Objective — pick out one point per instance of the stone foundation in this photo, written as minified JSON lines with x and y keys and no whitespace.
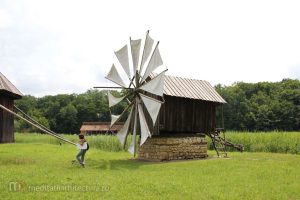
{"x":176,"y":147}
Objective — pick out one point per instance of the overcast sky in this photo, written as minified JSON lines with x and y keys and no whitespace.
{"x":52,"y":47}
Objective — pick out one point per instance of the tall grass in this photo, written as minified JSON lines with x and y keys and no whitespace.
{"x":108,"y":142}
{"x":102,"y":142}
{"x":35,"y":138}
{"x":275,"y":142}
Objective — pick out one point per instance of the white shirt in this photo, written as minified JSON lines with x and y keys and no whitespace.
{"x":79,"y":146}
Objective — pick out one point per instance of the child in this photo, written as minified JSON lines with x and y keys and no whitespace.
{"x":82,"y":146}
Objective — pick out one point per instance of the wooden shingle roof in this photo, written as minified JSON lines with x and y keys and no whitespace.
{"x":7,"y":87}
{"x":191,"y":88}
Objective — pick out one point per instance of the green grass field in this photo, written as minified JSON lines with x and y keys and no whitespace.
{"x":41,"y":169}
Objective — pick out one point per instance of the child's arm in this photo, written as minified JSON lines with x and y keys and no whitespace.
{"x":79,"y":146}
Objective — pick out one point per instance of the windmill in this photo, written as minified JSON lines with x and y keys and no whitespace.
{"x":145,"y":88}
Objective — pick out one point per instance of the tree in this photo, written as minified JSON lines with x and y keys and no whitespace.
{"x":67,"y":119}
{"x":262,"y":106}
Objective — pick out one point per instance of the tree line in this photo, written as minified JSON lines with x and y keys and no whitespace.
{"x":64,"y":113}
{"x":262,"y":106}
{"x":250,"y":106}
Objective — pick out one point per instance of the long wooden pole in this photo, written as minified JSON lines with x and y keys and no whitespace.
{"x":134,"y":129}
{"x":40,"y":128}
{"x":34,"y":121}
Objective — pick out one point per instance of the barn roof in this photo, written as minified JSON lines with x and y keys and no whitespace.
{"x":7,"y":87}
{"x":100,"y":126}
{"x":191,"y":88}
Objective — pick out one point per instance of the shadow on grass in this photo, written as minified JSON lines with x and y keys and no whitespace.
{"x":127,"y":164}
{"x":133,"y":164}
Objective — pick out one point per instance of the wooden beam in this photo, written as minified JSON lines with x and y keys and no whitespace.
{"x":45,"y":131}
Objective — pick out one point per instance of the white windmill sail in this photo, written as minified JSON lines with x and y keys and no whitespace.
{"x":142,"y":66}
{"x":115,"y":77}
{"x":135,"y":51}
{"x":114,"y":118}
{"x":131,"y":148}
{"x":122,"y":56}
{"x":113,"y":100}
{"x":123,"y":132}
{"x":155,"y":85}
{"x":152,"y":105}
{"x":147,"y":50}
{"x":145,"y":133}
{"x":154,"y":62}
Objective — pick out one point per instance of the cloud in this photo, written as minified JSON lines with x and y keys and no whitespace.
{"x":64,"y":46}
{"x":294,"y":72}
{"x":5,"y":19}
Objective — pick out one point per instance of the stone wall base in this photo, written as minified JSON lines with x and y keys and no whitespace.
{"x":173,"y":148}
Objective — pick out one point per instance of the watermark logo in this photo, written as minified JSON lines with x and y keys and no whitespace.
{"x":16,"y":186}
{"x":21,"y":186}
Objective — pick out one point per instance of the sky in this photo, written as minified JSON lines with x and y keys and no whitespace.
{"x":50,"y":47}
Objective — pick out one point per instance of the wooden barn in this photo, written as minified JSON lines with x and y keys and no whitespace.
{"x":189,"y":108}
{"x":8,"y":93}
{"x":189,"y":113}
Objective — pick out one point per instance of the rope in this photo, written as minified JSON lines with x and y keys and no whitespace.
{"x":37,"y":126}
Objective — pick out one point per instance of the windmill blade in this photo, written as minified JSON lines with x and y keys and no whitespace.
{"x":113,"y":100}
{"x":152,"y":105}
{"x":155,"y":61}
{"x":147,"y":49}
{"x":131,"y":148}
{"x":122,"y":56}
{"x":155,"y":85}
{"x":115,"y":77}
{"x":145,"y":133}
{"x":122,"y":134}
{"x":114,"y":119}
{"x":135,"y":52}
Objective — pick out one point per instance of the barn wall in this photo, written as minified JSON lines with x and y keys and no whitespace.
{"x":6,"y":120}
{"x":182,"y":115}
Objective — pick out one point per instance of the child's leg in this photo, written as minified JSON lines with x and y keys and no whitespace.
{"x":79,"y":155}
{"x":82,"y":156}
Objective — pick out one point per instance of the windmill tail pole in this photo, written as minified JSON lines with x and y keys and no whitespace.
{"x":32,"y":120}
{"x":40,"y":128}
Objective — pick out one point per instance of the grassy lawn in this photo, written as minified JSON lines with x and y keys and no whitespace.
{"x":44,"y":171}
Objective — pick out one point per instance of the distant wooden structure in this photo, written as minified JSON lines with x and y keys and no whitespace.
{"x":93,"y":128}
{"x":8,"y":93}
